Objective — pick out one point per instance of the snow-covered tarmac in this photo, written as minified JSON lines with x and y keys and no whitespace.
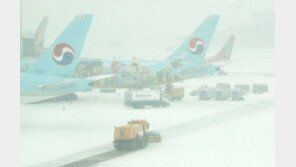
{"x":54,"y":130}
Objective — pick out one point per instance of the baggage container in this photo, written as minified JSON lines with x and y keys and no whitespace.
{"x":245,"y":88}
{"x":223,"y":86}
{"x":221,"y":94}
{"x":237,"y":94}
{"x":260,"y":88}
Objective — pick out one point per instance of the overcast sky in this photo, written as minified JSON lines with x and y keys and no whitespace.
{"x":153,"y":27}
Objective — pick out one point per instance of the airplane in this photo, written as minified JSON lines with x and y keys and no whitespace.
{"x":51,"y":75}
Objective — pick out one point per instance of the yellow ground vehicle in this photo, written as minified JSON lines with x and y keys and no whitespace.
{"x":131,"y":136}
{"x":134,"y":135}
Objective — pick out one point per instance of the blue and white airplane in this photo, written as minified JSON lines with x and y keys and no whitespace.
{"x":51,"y":76}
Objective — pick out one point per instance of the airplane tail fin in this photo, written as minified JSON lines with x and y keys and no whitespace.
{"x":62,"y":56}
{"x":40,"y":34}
{"x":225,"y":53}
{"x":195,"y":47}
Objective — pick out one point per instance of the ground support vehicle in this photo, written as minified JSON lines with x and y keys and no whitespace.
{"x":145,"y":97}
{"x":134,"y":135}
{"x":131,"y":136}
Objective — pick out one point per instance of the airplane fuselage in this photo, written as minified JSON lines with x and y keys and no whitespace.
{"x":141,"y":73}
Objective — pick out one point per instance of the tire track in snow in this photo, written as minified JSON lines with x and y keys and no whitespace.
{"x":91,"y":157}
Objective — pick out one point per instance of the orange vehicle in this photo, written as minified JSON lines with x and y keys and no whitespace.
{"x":134,"y":135}
{"x":131,"y":136}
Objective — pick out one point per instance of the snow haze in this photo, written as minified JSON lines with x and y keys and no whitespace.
{"x":140,"y":28}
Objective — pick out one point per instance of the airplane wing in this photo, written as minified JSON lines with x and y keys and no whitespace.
{"x":221,"y":64}
{"x":37,"y":99}
{"x":57,"y":84}
{"x":100,"y":77}
{"x":192,"y":69}
{"x":66,"y":82}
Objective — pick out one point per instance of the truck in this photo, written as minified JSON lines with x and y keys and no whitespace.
{"x":134,"y":135}
{"x":145,"y":97}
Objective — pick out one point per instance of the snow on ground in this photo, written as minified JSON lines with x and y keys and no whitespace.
{"x":243,"y":142}
{"x":54,"y":130}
